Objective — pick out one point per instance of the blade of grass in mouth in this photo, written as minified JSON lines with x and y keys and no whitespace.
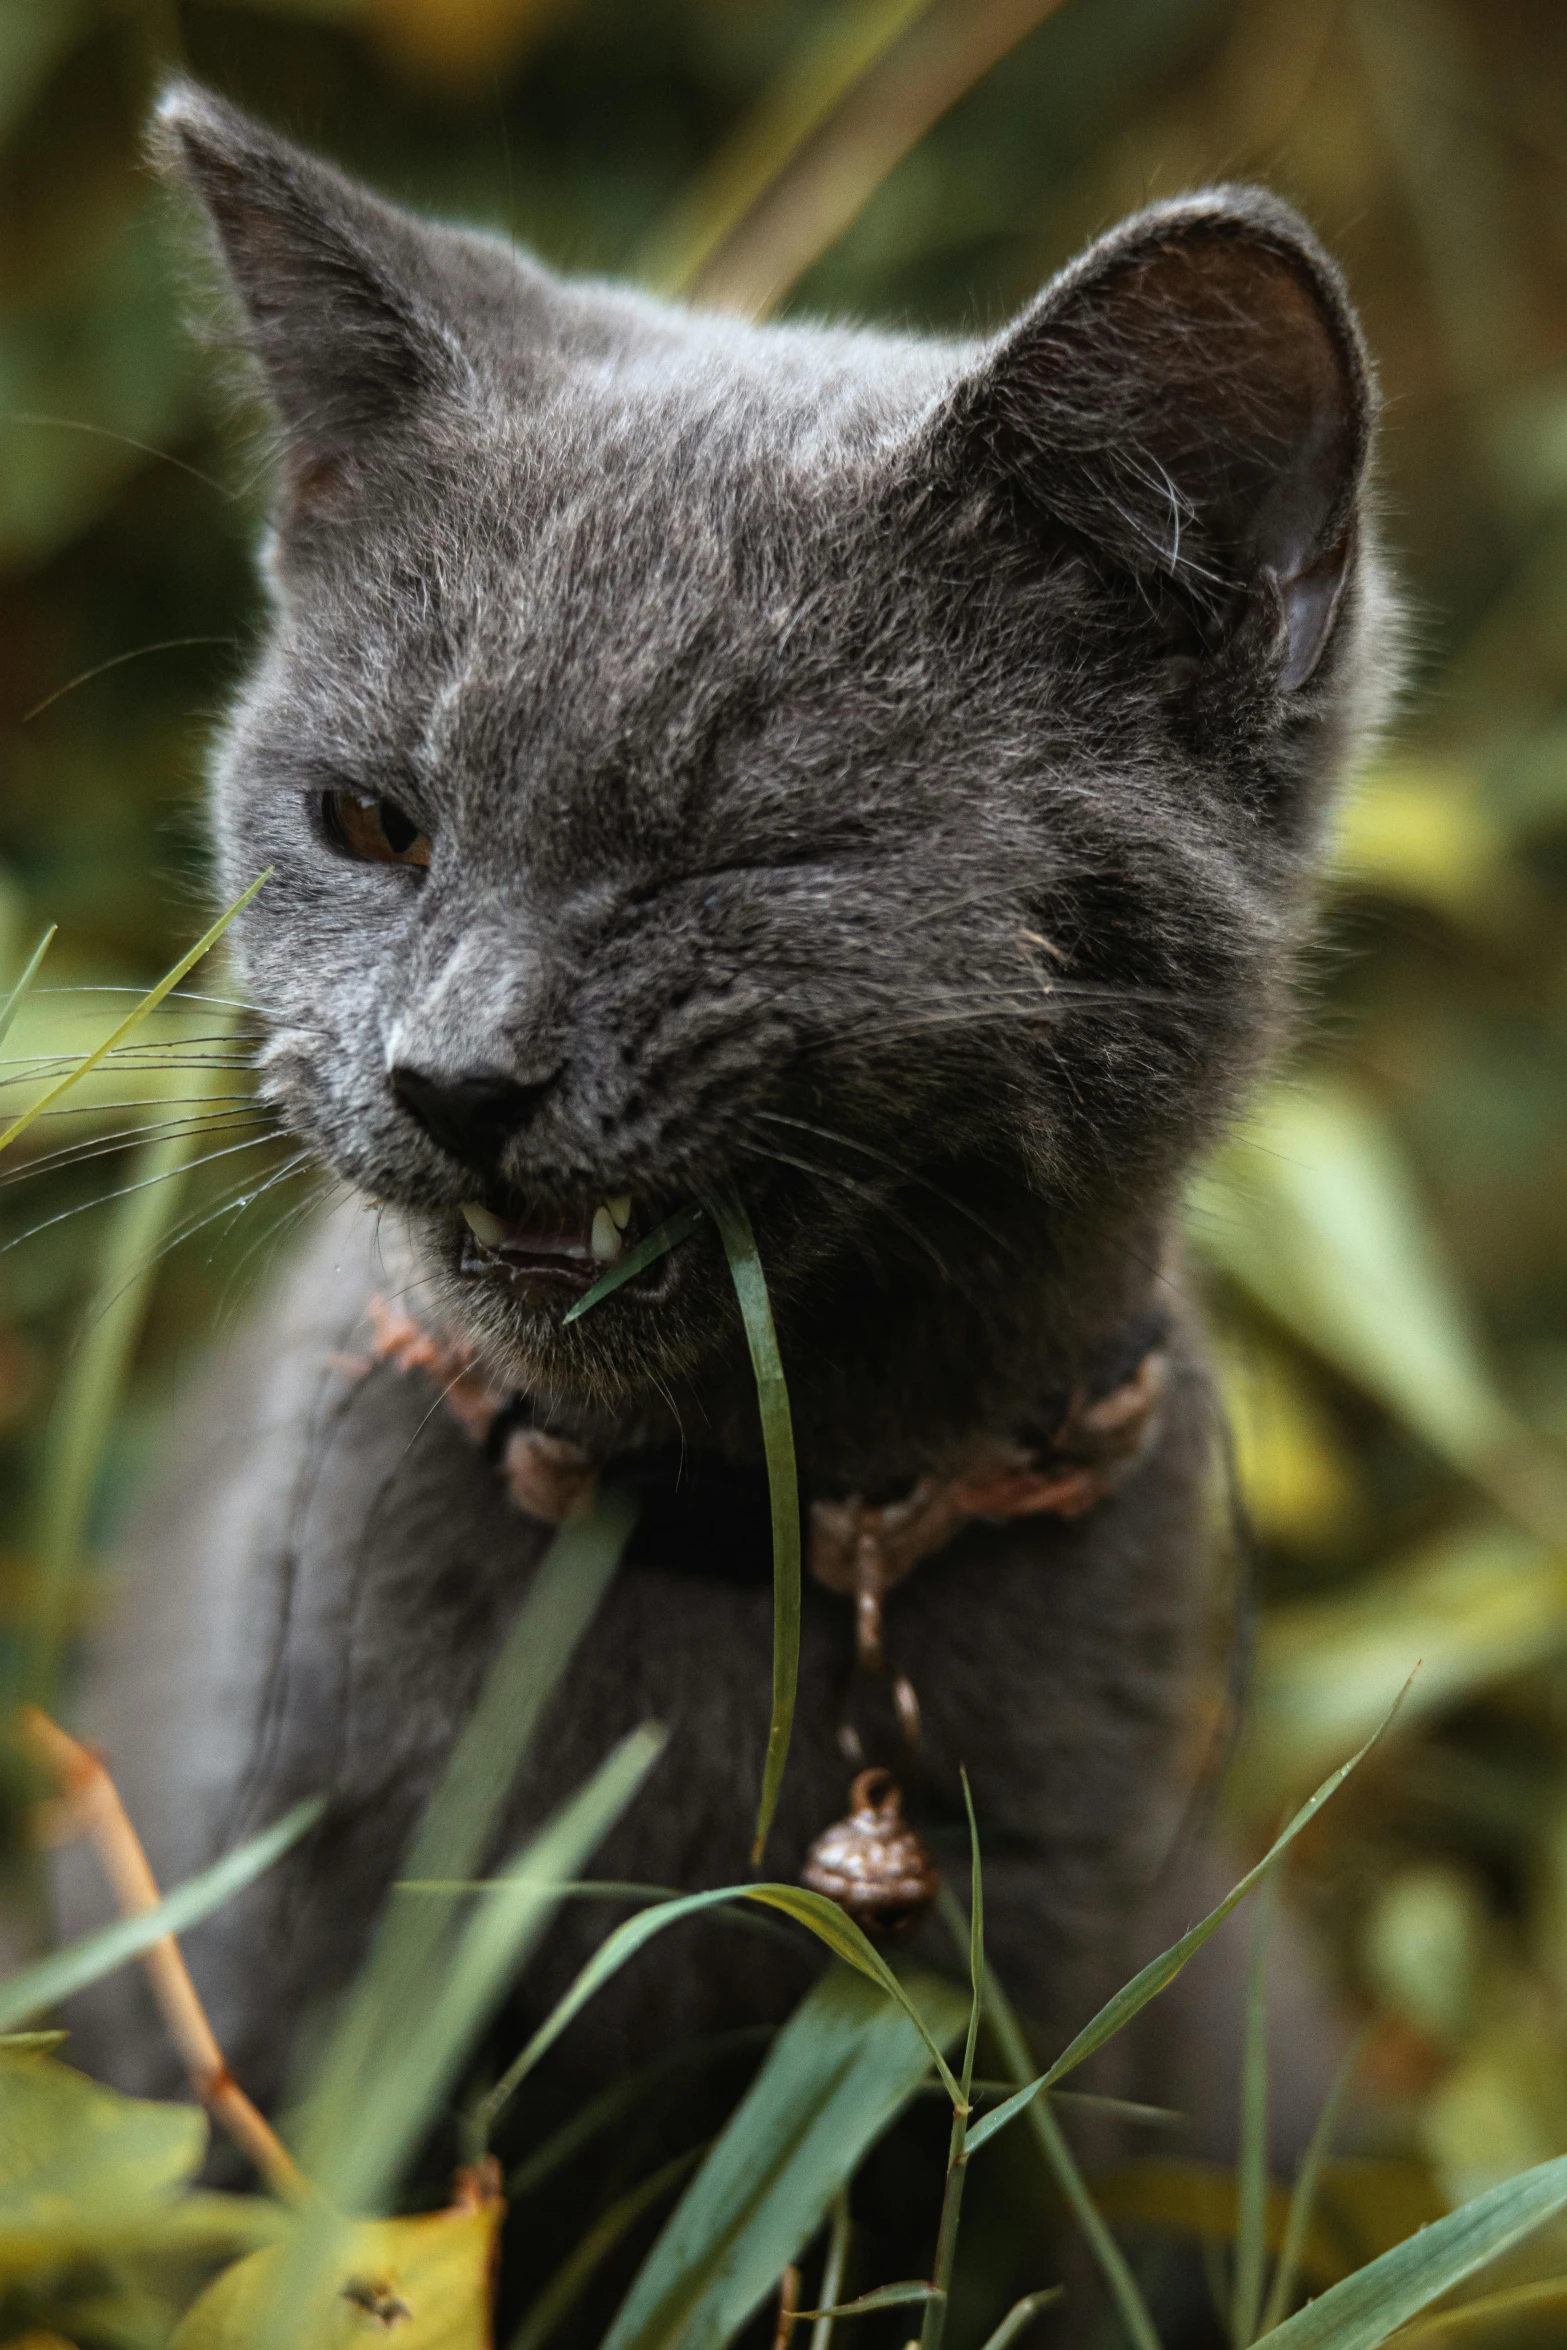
{"x":772,"y":1395}
{"x":669,"y":1235}
{"x":727,"y":1210}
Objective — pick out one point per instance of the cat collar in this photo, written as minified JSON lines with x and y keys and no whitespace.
{"x":855,"y":1548}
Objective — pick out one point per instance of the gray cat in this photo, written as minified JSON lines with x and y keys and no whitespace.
{"x":884,"y":774}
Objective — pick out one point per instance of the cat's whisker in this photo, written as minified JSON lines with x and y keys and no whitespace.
{"x":148,"y":1101}
{"x":1046,"y":1011}
{"x":79,"y":1154}
{"x":232,"y":1203}
{"x":454,"y":1381}
{"x":176,"y":995}
{"x":239,"y":1203}
{"x":153,"y":1099}
{"x":144,"y":1183}
{"x":168,"y":644}
{"x":320,"y":1185}
{"x":105,"y":432}
{"x":122,"y":1138}
{"x":894,"y":1166}
{"x":320,"y":1182}
{"x":883,"y":1209}
{"x":142,"y":1053}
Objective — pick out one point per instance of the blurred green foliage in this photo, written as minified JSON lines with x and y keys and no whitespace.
{"x":1388,"y":1243}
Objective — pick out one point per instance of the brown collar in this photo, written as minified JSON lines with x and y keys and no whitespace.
{"x":856,"y":1548}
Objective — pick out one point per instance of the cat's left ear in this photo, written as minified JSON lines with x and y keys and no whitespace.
{"x":357,"y":314}
{"x":1191,"y":401}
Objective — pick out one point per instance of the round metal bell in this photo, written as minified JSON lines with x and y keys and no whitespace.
{"x":873,"y":1864}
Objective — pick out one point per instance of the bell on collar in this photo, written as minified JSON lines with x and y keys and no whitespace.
{"x":873,"y":1864}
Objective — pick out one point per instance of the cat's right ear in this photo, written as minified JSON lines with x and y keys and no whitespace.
{"x":338,"y":293}
{"x":1192,"y":403}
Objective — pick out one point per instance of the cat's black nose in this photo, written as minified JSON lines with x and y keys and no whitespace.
{"x":473,"y":1115}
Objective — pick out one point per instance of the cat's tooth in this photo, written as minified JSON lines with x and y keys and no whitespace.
{"x":605,"y":1242}
{"x":487,"y":1229}
{"x":620,"y":1210}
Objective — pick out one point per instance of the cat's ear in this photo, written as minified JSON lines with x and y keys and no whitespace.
{"x":340,"y":295}
{"x":1192,"y":399}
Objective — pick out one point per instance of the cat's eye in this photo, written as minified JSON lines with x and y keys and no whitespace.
{"x":376,"y":832}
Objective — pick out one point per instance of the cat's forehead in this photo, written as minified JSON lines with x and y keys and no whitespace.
{"x":635,"y":443}
{"x":608,"y":560}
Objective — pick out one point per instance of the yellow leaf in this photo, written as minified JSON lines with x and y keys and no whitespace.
{"x":84,"y":2170}
{"x":1200,"y":2199}
{"x":425,"y":2282}
{"x":1363,"y":2208}
{"x":1420,"y":830}
{"x":1297,"y":1481}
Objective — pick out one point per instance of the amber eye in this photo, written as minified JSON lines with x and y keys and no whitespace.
{"x":375,"y":831}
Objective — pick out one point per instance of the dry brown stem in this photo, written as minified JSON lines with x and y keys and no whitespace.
{"x":89,"y":1805}
{"x":839,"y":166}
{"x":788,"y":2303}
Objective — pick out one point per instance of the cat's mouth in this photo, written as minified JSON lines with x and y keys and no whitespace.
{"x":548,"y":1248}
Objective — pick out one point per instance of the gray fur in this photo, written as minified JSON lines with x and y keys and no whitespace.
{"x":925,"y":742}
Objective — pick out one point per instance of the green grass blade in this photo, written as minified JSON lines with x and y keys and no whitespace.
{"x":783,"y":1486}
{"x":85,"y":1407}
{"x":1134,"y":1996}
{"x":976,"y":1942}
{"x":1019,"y":2315}
{"x":842,"y":2068}
{"x":138,"y":1013}
{"x":1361,"y":2312}
{"x":414,"y":1941}
{"x":417,"y":2070}
{"x":1251,"y":2221}
{"x":658,"y":1243}
{"x":426,"y":2041}
{"x":575,"y":2273}
{"x":884,"y":2297}
{"x":49,"y":1980}
{"x":1303,"y":2200}
{"x":933,"y":2326}
{"x":839,"y":2232}
{"x":13,"y":1002}
{"x":823,"y":1918}
{"x":1132,"y":2309}
{"x":581,"y":1888}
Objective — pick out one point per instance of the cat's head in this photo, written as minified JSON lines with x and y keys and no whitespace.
{"x":876,"y":772}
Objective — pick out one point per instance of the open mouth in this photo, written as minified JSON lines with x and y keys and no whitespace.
{"x":548,"y":1248}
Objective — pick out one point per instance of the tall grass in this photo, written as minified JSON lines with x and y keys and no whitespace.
{"x":856,"y":2053}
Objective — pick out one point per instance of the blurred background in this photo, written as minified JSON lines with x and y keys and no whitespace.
{"x":1387,"y":1242}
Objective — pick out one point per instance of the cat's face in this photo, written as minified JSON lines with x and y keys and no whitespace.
{"x":871,"y":772}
